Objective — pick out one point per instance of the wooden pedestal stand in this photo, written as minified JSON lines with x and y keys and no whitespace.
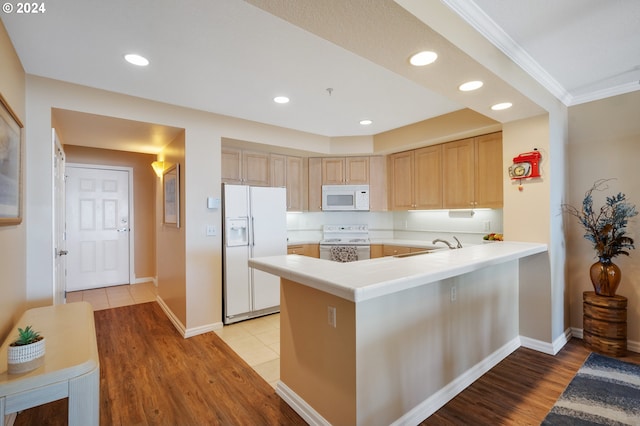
{"x":605,"y":323}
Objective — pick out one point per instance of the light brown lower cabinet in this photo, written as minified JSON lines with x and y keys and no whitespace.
{"x":392,"y":250}
{"x":376,"y":251}
{"x":311,"y":250}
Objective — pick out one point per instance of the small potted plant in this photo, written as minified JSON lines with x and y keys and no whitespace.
{"x":606,"y":229}
{"x":26,"y":353}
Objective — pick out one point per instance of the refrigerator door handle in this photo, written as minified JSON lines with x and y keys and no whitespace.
{"x":253,"y":236}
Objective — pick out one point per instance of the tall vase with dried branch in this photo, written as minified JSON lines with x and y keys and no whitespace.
{"x":606,"y":228}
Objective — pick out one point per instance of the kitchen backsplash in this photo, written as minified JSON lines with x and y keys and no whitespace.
{"x":412,"y":225}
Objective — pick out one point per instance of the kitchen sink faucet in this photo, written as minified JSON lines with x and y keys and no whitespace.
{"x":439,"y":240}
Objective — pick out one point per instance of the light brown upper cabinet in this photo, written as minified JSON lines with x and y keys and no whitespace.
{"x":278,"y":170}
{"x":489,"y":171}
{"x":472,"y":172}
{"x":458,"y":162}
{"x":345,"y":171}
{"x":231,"y":165}
{"x":296,"y":184}
{"x":428,"y":177}
{"x":378,"y":200}
{"x":401,"y":180}
{"x":416,"y":179}
{"x":315,"y":184}
{"x":288,"y":172}
{"x":348,"y":171}
{"x":245,"y":167}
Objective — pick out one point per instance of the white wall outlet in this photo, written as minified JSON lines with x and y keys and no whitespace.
{"x":211,"y":231}
{"x":487,"y":225}
{"x":331,"y":316}
{"x":454,"y":294}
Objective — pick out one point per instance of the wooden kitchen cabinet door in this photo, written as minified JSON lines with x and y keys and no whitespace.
{"x":231,"y":166}
{"x":489,"y":171}
{"x":376,"y":251}
{"x":458,"y":163}
{"x":356,"y":170}
{"x":255,"y":167}
{"x":428,"y":178}
{"x":278,"y":170}
{"x":295,"y":183}
{"x":389,"y":250}
{"x":345,"y":171}
{"x":333,"y":171}
{"x":401,"y":180}
{"x":315,"y":184}
{"x":244,"y":167}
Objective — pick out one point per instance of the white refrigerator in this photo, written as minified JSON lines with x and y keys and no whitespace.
{"x":255,"y":225}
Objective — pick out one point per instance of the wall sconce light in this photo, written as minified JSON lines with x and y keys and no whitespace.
{"x":158,"y":167}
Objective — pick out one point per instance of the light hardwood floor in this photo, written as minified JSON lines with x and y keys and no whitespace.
{"x":256,"y":341}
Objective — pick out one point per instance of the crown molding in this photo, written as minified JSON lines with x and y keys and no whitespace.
{"x":487,"y":27}
{"x":605,"y":93}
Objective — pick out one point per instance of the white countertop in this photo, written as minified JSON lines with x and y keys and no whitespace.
{"x":368,"y":279}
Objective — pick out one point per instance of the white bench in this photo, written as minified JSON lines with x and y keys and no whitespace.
{"x":71,"y":365}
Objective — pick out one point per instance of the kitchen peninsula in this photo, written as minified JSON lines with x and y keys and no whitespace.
{"x":390,"y":340}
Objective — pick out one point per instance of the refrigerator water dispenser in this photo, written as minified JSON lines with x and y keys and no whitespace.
{"x":237,"y":231}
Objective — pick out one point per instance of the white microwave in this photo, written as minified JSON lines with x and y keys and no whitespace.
{"x":345,"y":197}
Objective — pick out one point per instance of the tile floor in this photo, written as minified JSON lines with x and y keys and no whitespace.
{"x":116,"y":296}
{"x":256,"y":341}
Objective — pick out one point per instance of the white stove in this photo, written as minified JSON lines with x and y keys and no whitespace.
{"x":345,"y":243}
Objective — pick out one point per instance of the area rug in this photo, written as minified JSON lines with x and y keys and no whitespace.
{"x":605,"y":391}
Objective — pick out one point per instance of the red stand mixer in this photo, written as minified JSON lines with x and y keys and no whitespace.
{"x":525,"y":165}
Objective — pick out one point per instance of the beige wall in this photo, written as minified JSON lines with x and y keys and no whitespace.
{"x":319,"y":361}
{"x":448,"y":127}
{"x":144,"y":192}
{"x":202,"y":272}
{"x":524,"y":221}
{"x":604,"y":142}
{"x":12,"y":238}
{"x":172,"y":286}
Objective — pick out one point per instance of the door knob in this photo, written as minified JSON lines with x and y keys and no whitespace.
{"x":123,"y":229}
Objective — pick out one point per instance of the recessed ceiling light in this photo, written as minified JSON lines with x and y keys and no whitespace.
{"x":470,"y":85}
{"x":138,"y":60}
{"x":501,"y":106}
{"x":421,"y":59}
{"x":365,"y":122}
{"x":281,"y":99}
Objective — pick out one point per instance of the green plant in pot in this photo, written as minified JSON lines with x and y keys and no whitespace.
{"x":606,"y":228}
{"x":26,"y":353}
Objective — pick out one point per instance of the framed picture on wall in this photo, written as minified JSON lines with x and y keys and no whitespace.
{"x":171,"y":196}
{"x":10,"y":165}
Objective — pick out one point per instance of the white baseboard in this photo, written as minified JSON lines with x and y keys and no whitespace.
{"x":300,"y":406}
{"x":174,"y":320}
{"x":424,"y":409}
{"x":546,"y":347}
{"x":447,"y":393}
{"x":186,"y":332}
{"x":190,"y":332}
{"x":146,"y":280}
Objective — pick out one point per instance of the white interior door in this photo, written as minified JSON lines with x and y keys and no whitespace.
{"x":97,"y":227}
{"x":59,"y":237}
